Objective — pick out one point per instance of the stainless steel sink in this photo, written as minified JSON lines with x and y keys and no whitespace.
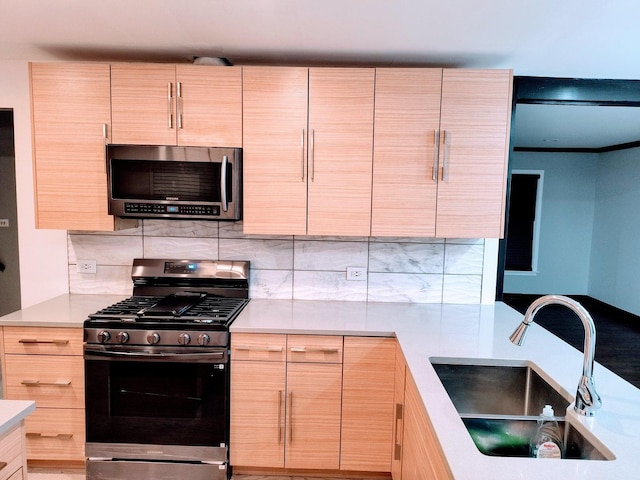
{"x":499,"y":402}
{"x":505,"y":388}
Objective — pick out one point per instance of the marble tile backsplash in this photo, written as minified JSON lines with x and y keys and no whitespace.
{"x":419,"y":270}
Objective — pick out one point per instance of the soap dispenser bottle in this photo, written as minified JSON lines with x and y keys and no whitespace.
{"x":547,"y":442}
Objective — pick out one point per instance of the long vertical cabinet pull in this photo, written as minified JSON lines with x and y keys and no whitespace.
{"x":445,"y":157}
{"x":179,"y":103}
{"x":169,"y":104}
{"x":280,"y":439}
{"x":313,"y":155}
{"x":302,"y":153}
{"x":397,"y":451}
{"x":436,"y":153}
{"x":290,"y":419}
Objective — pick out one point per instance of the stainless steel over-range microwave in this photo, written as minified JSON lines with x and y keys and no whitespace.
{"x":175,"y":182}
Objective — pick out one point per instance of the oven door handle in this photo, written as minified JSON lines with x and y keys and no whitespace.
{"x":139,"y":356}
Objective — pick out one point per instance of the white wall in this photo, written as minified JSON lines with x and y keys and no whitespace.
{"x":566,"y":223}
{"x":43,"y":253}
{"x":615,"y":256}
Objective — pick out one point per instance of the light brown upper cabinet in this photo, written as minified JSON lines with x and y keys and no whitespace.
{"x":441,"y":176}
{"x":166,"y":104}
{"x":308,"y":145}
{"x":71,"y":114}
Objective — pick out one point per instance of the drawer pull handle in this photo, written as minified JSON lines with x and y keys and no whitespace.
{"x":62,"y":436}
{"x":3,"y":464}
{"x":258,"y":349}
{"x":35,"y":340}
{"x":316,"y":350}
{"x":57,"y":383}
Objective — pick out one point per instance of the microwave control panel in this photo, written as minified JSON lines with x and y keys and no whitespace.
{"x":163,"y":209}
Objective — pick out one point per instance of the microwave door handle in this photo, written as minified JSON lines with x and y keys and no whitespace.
{"x":223,"y":183}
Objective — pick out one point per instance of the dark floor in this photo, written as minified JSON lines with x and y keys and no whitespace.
{"x":617,"y":331}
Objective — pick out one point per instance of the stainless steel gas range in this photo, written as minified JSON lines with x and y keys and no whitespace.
{"x":157,"y":372}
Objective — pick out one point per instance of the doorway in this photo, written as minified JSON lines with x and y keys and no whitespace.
{"x":9,"y":259}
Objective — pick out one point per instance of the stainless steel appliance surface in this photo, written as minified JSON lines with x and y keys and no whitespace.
{"x":157,"y":372}
{"x":173,"y":182}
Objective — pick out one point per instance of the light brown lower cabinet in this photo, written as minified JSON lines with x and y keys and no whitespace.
{"x":12,"y":458}
{"x":45,"y":364}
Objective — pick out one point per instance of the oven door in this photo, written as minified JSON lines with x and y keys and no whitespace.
{"x":168,"y":401}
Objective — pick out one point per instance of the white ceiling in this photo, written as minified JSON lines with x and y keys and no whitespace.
{"x":568,"y":38}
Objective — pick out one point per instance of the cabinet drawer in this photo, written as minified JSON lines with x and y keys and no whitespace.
{"x":257,"y":346}
{"x":314,"y":349}
{"x":43,"y":340}
{"x":52,"y":381}
{"x":55,"y":434}
{"x":10,"y":452}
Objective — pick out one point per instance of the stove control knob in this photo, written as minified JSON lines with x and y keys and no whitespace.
{"x":122,"y":337}
{"x":153,"y":338}
{"x":204,"y":339}
{"x":104,"y":336}
{"x":184,"y":339}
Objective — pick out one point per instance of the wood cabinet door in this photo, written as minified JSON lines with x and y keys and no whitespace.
{"x":71,"y":111}
{"x":367,"y":404}
{"x":422,"y":456}
{"x":257,"y":414}
{"x":340,"y":150}
{"x":275,"y":150}
{"x":313,"y":415}
{"x":399,"y":417}
{"x":474,"y":128}
{"x":143,"y":106}
{"x":209,"y":106}
{"x":407,"y":119}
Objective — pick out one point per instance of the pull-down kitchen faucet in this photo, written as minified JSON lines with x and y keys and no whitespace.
{"x":587,"y":398}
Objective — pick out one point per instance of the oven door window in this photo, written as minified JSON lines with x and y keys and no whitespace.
{"x":156,"y":402}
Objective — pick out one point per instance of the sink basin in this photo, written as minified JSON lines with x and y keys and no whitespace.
{"x":505,"y":388}
{"x":499,"y":402}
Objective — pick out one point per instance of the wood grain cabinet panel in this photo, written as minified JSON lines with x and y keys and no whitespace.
{"x":308,"y":142}
{"x":71,"y":122}
{"x":367,"y":404}
{"x":11,"y":454}
{"x":474,"y":127}
{"x":166,"y":104}
{"x":46,"y":365}
{"x":407,"y":119}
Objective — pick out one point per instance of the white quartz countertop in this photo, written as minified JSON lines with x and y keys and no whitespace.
{"x":62,"y":311}
{"x":472,"y":331}
{"x":13,"y":412}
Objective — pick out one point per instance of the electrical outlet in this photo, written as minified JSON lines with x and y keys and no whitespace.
{"x":87,"y":266}
{"x":357,"y":273}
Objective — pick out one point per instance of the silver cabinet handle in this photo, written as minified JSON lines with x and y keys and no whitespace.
{"x":280,"y":417}
{"x":313,"y":155}
{"x":312,"y":349}
{"x":35,"y":340}
{"x":223,"y":183}
{"x":258,"y":349}
{"x":63,"y":436}
{"x":58,"y":383}
{"x":290,"y":417}
{"x":105,"y":131}
{"x":169,"y":104}
{"x":302,"y":153}
{"x":436,"y":153}
{"x":445,"y":158}
{"x":179,"y":103}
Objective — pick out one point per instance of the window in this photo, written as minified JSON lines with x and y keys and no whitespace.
{"x":524,"y":220}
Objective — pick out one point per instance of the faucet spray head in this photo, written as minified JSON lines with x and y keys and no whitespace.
{"x":519,"y":334}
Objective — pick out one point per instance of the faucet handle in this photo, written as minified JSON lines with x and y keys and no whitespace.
{"x":587,"y":398}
